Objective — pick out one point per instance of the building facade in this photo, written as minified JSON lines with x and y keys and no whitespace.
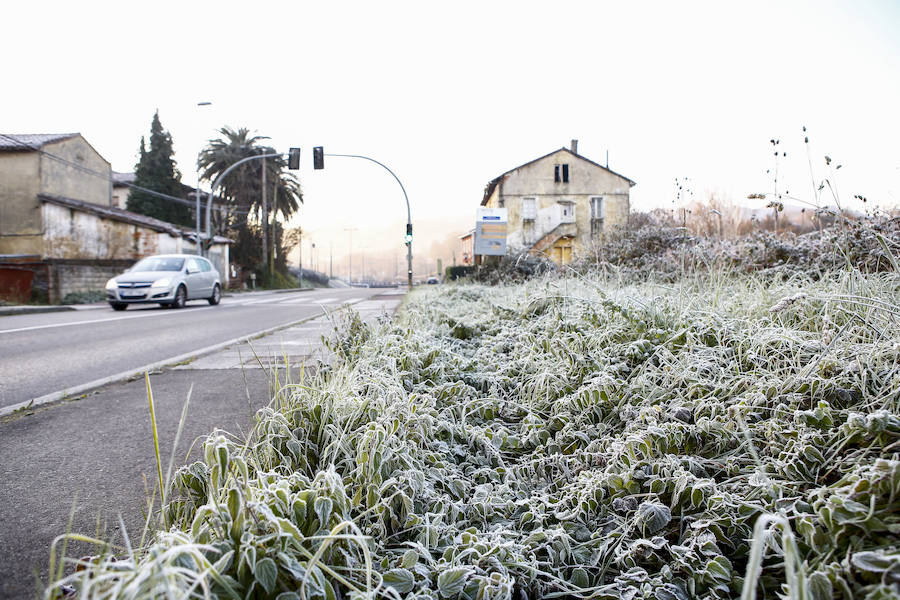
{"x":560,"y":203}
{"x":52,"y":164}
{"x":60,"y":228}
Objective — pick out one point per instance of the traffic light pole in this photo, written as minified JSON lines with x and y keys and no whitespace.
{"x":409,"y":270}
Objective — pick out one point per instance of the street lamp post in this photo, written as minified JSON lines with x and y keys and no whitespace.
{"x":408,"y":217}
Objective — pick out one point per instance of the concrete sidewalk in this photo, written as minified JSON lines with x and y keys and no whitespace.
{"x":91,"y":459}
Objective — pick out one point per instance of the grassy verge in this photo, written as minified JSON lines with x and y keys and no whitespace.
{"x":562,"y":438}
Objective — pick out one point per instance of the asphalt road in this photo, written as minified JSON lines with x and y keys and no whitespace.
{"x":45,"y":353}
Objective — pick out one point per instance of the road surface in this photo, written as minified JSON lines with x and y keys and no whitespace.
{"x":45,"y":353}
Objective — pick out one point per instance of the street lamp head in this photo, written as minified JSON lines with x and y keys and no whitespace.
{"x":204,"y":103}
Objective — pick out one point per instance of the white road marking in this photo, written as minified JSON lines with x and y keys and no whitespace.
{"x":298,"y":301}
{"x":264,"y":301}
{"x":164,"y":313}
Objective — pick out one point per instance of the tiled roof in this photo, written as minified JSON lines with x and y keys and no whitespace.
{"x":19,"y":142}
{"x":120,"y":178}
{"x":116,"y":214}
{"x":124,"y":216}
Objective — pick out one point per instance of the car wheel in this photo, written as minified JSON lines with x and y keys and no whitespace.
{"x":180,"y":297}
{"x":216,"y":295}
{"x":118,"y":305}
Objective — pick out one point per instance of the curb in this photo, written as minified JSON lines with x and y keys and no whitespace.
{"x":29,"y":310}
{"x":86,"y":387}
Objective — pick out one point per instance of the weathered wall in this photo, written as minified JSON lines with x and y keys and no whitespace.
{"x":20,"y":212}
{"x":120,"y":195}
{"x":494,"y":200}
{"x":60,"y":179}
{"x":72,"y":234}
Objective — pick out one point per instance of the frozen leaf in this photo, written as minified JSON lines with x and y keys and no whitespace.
{"x":266,"y":573}
{"x":654,"y":516}
{"x":451,"y":582}
{"x":820,"y":587}
{"x":875,"y":562}
{"x":410,"y":558}
{"x":401,"y":580}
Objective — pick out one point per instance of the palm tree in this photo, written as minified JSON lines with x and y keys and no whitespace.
{"x":242,"y":188}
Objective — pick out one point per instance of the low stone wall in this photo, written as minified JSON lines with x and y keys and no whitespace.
{"x":70,"y":278}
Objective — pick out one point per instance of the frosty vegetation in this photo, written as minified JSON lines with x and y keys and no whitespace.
{"x":583,"y":434}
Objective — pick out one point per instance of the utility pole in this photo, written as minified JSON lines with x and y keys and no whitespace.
{"x":330,"y":260}
{"x":300,"y":260}
{"x":265,"y":218}
{"x":271,"y":258}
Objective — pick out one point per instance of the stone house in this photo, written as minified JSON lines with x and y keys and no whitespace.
{"x":60,"y":228}
{"x":559,"y":203}
{"x":121,"y":189}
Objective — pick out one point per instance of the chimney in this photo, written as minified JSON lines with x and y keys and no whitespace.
{"x":574,"y":147}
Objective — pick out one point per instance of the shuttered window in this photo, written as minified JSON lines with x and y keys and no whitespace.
{"x":529,"y":209}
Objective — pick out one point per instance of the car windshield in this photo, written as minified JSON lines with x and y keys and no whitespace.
{"x":157,"y":263}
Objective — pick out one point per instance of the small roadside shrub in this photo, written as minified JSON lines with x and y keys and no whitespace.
{"x":512,"y":268}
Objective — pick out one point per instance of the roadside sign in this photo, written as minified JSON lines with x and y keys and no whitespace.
{"x":490,"y":231}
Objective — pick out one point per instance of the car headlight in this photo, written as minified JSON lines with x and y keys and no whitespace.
{"x":161,"y":283}
{"x":111,"y":284}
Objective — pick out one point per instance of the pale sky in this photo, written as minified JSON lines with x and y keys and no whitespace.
{"x":450,"y":95}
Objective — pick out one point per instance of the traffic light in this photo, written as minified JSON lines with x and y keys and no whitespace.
{"x":318,"y":157}
{"x":294,"y":159}
{"x":408,"y":234}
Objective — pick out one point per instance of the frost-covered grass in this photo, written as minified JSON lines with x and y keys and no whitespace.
{"x":562,"y":438}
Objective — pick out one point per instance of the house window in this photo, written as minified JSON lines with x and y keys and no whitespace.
{"x":598,"y":209}
{"x":561,"y":173}
{"x":529,"y":209}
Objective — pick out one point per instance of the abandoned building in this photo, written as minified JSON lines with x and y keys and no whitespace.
{"x":560,"y":203}
{"x":61,"y":231}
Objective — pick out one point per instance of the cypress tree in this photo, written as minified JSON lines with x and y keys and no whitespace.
{"x":156,"y":170}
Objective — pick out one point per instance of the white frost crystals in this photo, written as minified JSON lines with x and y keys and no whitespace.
{"x":561,"y":438}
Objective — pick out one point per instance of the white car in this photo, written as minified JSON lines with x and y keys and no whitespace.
{"x":169,"y":280}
